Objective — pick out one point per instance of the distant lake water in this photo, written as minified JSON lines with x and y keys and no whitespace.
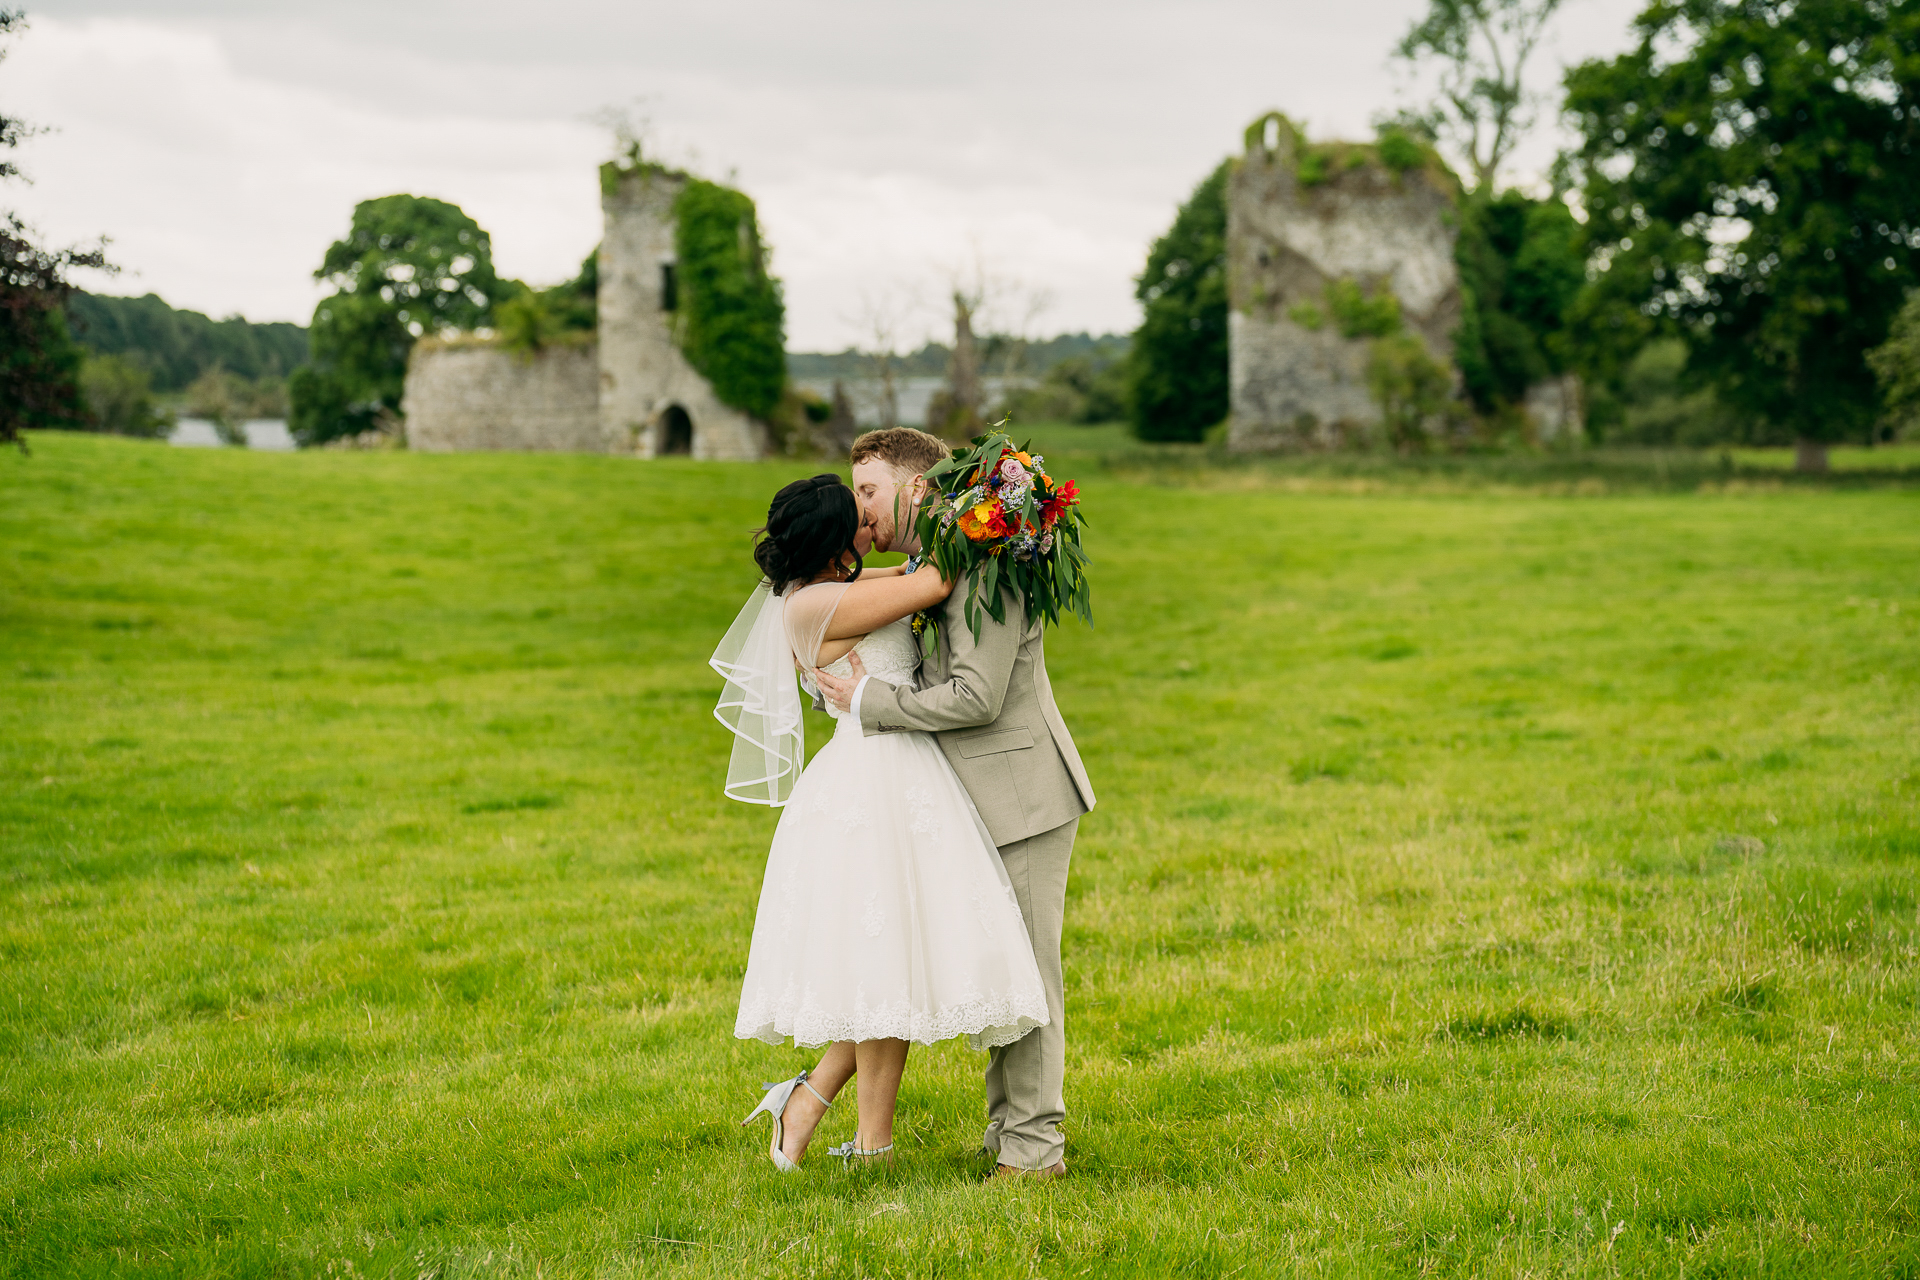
{"x":269,"y":434}
{"x":912,"y":395}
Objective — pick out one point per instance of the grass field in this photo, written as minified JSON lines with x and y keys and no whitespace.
{"x":1579,"y":473}
{"x":1496,"y":883}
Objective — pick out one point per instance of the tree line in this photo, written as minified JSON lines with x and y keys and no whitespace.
{"x":1729,"y":253}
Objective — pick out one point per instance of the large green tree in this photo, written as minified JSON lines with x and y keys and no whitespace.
{"x":1177,"y":366}
{"x":1521,"y":268}
{"x":1752,"y":178}
{"x":409,"y":266}
{"x":39,"y":363}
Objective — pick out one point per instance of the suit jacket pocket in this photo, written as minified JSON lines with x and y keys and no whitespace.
{"x":989,"y":744}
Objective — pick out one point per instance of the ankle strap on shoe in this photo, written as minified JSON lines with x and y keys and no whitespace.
{"x":801,"y":1080}
{"x":851,"y":1150}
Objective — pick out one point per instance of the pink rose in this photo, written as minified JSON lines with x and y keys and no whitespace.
{"x":1012,"y":472}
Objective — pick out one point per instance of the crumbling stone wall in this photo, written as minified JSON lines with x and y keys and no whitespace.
{"x":1296,"y":380}
{"x":469,"y":395}
{"x":649,"y":392}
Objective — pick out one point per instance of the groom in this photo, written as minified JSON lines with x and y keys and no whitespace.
{"x":990,"y":706}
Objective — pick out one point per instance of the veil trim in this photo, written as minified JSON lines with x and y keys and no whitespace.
{"x":760,"y":702}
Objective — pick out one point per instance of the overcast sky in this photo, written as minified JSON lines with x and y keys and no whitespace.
{"x":222,"y":144}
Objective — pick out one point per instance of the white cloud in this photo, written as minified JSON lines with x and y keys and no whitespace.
{"x":223,"y":144}
{"x":220,"y":190}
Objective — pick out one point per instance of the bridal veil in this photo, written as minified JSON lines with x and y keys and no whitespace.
{"x":761,"y":700}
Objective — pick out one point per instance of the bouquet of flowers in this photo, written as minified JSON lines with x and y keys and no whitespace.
{"x":996,"y":519}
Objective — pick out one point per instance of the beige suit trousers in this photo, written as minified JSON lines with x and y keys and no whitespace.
{"x":1026,"y":1079}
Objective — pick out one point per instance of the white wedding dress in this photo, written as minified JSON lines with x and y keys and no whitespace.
{"x":885,"y":911}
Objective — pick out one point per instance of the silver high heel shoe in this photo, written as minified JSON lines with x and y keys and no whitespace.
{"x":851,"y":1151}
{"x":779,"y":1093}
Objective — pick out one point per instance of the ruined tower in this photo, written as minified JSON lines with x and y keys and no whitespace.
{"x":1328,"y":247}
{"x":626,"y":388}
{"x":652,"y":401}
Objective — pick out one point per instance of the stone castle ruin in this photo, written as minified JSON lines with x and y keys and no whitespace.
{"x":1339,"y":255}
{"x":625,"y":389}
{"x":1328,"y":250}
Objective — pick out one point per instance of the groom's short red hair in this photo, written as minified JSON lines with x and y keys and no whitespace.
{"x":906,"y":451}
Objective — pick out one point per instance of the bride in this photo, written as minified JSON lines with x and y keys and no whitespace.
{"x":886,"y":918}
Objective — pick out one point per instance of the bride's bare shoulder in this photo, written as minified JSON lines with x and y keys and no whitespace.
{"x":809,"y":610}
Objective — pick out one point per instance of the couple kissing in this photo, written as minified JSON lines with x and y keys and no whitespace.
{"x":917,"y":877}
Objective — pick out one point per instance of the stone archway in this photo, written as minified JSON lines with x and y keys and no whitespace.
{"x":676,"y":432}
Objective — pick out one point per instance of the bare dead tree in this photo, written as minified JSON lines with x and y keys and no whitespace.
{"x":882,"y":318}
{"x":1481,"y":48}
{"x":841,"y":428}
{"x":1012,"y":316}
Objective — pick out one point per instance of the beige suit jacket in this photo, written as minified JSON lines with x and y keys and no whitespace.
{"x":991,"y":708}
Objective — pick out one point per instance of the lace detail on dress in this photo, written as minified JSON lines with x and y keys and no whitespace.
{"x":890,"y":654}
{"x":1005,"y":1018}
{"x":926,"y":818}
{"x":982,"y":912}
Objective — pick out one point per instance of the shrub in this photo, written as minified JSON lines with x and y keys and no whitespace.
{"x":1400,"y":150}
{"x":119,"y":397}
{"x":1078,"y":389}
{"x":1359,"y":314}
{"x":325,"y":407}
{"x":1657,"y":404}
{"x":1896,"y":367}
{"x":1176,"y":376}
{"x":1411,"y":388}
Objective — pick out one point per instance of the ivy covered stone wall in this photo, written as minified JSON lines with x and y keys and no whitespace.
{"x":732,"y":322}
{"x":667,"y":302}
{"x":1337,"y":253}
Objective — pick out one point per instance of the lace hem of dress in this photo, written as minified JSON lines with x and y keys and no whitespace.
{"x":987,"y":1023}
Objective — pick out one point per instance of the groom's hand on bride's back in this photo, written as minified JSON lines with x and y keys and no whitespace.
{"x":839,"y":692}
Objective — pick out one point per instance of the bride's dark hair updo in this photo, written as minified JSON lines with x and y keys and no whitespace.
{"x":810,"y":525}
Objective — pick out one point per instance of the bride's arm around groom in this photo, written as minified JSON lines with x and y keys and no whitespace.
{"x":991,"y":704}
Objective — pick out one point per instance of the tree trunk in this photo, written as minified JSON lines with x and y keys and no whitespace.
{"x":1810,"y":455}
{"x":889,"y":395}
{"x":963,"y":371}
{"x":842,"y":428}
